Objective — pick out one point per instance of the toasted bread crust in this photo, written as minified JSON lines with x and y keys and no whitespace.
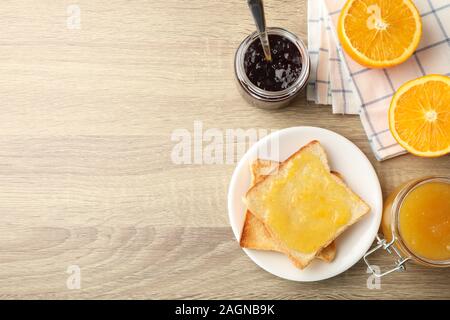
{"x":255,"y":235}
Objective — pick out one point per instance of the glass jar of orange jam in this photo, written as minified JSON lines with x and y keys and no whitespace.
{"x":416,"y":224}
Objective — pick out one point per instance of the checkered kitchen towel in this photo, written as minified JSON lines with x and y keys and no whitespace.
{"x":353,"y":89}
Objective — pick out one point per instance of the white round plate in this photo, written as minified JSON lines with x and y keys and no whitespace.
{"x":345,"y":158}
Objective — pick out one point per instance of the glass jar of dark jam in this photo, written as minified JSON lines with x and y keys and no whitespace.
{"x":272,"y":84}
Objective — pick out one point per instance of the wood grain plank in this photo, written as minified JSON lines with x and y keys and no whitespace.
{"x":174,"y":262}
{"x":120,"y":179}
{"x":124,"y":63}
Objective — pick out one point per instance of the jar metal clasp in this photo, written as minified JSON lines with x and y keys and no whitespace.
{"x":387,"y":246}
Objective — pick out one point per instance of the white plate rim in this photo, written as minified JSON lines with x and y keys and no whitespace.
{"x":377,"y":211}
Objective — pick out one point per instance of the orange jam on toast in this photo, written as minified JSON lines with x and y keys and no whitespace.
{"x":308,"y":204}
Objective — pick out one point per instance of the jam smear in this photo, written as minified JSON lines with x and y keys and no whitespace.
{"x":279,"y":73}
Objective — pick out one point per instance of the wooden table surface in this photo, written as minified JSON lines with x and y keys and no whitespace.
{"x":86,"y":176}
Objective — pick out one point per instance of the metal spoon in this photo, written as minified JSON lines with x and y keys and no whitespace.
{"x":257,"y":9}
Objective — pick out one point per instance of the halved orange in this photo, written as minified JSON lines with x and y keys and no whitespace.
{"x":419,"y":116}
{"x":379,"y":33}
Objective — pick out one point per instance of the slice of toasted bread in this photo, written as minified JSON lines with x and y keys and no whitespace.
{"x":254,"y":233}
{"x":303,"y":206}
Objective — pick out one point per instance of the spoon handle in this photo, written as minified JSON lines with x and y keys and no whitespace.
{"x":257,"y":10}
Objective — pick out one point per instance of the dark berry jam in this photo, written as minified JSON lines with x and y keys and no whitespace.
{"x":275,"y":75}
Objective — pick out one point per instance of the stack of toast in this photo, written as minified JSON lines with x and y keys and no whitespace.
{"x":299,"y":207}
